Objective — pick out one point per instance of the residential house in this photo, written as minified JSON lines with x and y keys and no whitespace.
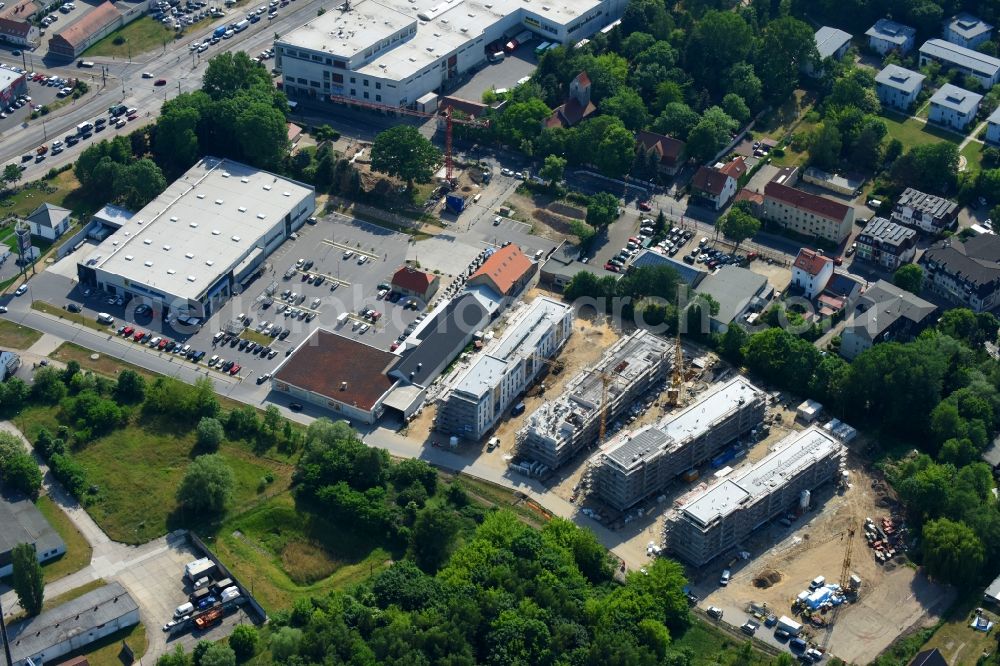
{"x":668,"y":151}
{"x":49,"y":221}
{"x":74,"y":39}
{"x":807,"y":214}
{"x":898,"y":87}
{"x":15,"y":23}
{"x":886,"y":244}
{"x":294,"y":133}
{"x":839,"y":294}
{"x":811,"y":270}
{"x":954,"y":107}
{"x":413,"y":282}
{"x":578,"y":107}
{"x":505,"y":273}
{"x":992,"y":593}
{"x":830,"y":43}
{"x":986,"y":69}
{"x":737,"y":291}
{"x":966,"y":30}
{"x":993,"y":127}
{"x":966,"y":273}
{"x":925,"y":212}
{"x":887,"y":36}
{"x":718,"y":184}
{"x":884,"y":312}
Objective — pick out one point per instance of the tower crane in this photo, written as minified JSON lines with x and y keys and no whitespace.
{"x":450,"y":122}
{"x":845,"y":583}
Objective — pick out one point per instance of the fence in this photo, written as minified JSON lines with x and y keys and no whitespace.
{"x":226,"y":573}
{"x":67,"y":245}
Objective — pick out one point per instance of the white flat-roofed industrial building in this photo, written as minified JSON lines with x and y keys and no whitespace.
{"x":713,"y":520}
{"x":393,"y":52}
{"x":479,"y":394}
{"x":202,"y":240}
{"x":562,"y":427}
{"x":638,"y":464}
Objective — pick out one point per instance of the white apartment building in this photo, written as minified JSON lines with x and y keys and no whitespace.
{"x":393,"y":52}
{"x":479,"y":394}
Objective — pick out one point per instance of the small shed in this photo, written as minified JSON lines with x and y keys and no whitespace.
{"x":809,"y":411}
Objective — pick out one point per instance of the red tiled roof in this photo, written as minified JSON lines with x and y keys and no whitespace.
{"x":19,"y":10}
{"x":582,"y":78}
{"x":755,"y":198}
{"x":412,"y":280}
{"x":505,"y":268}
{"x":811,"y":261}
{"x":668,"y":148}
{"x":294,"y":131}
{"x":94,"y":20}
{"x":570,"y":113}
{"x":326,"y":360}
{"x":828,"y":208}
{"x":709,"y":179}
{"x":15,"y":28}
{"x":736,"y":168}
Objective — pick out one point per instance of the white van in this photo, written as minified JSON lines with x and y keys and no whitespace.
{"x":183,"y":609}
{"x":341,"y":318}
{"x":105,"y":318}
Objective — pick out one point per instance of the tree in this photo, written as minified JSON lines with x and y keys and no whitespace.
{"x":130,"y":387}
{"x":244,"y":641}
{"x":787,"y":45}
{"x":218,"y":654}
{"x":209,"y":434}
{"x":953,"y":552}
{"x":138,"y":183}
{"x":627,"y":106}
{"x":403,"y":152}
{"x":909,"y":277}
{"x":48,"y":386}
{"x":21,"y":474}
{"x":738,"y":226}
{"x":615,"y":152}
{"x":602,"y":209}
{"x":719,"y":41}
{"x":175,"y":143}
{"x":432,"y":537}
{"x":207,"y":485}
{"x":706,"y":139}
{"x":262,"y":132}
{"x":229,"y":72}
{"x":176,"y":657}
{"x":521,"y":121}
{"x":29,"y":584}
{"x":285,"y":643}
{"x":553,"y":168}
{"x":931,"y":167}
{"x":825,"y":145}
{"x":676,"y":120}
{"x":735,"y":107}
{"x":11,"y":174}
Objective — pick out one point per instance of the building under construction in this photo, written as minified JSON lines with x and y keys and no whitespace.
{"x":638,"y":464}
{"x":715,"y":519}
{"x":560,"y":428}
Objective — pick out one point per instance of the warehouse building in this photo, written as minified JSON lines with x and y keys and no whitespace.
{"x":479,"y":394}
{"x":638,"y":464}
{"x":393,"y":53}
{"x":72,"y":626}
{"x":12,"y":84}
{"x":713,"y":520}
{"x":23,"y":523}
{"x":79,"y":35}
{"x":563,"y":427}
{"x":202,"y":240}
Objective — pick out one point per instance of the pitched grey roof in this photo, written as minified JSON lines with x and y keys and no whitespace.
{"x":829,"y":40}
{"x":23,"y":523}
{"x":959,"y":55}
{"x":994,"y":117}
{"x":48,"y":215}
{"x":958,"y":99}
{"x":900,"y":78}
{"x":976,"y":261}
{"x":442,"y":339}
{"x":734,"y":288}
{"x":887,"y":232}
{"x":889,"y":31}
{"x":930,"y":204}
{"x":97,"y":607}
{"x":884,"y":303}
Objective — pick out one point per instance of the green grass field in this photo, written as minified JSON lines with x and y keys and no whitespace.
{"x":14,"y":335}
{"x":142,"y":35}
{"x":78,"y":551}
{"x":106,"y":651}
{"x":957,"y":641}
{"x":64,"y":193}
{"x":973,"y":154}
{"x":912,"y":132}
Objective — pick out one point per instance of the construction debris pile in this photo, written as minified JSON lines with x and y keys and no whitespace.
{"x":887,"y":537}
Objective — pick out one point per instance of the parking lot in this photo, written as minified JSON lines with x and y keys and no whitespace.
{"x":41,"y":95}
{"x":499,"y":75}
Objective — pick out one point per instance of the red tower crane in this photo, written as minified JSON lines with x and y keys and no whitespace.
{"x":449,"y":122}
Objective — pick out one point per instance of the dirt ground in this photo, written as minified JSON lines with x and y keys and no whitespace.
{"x":893,"y":597}
{"x":533,"y":210}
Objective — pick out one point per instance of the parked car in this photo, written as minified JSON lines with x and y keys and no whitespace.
{"x":715,"y":612}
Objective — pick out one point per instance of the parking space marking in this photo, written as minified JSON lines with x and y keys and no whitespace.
{"x":355,"y":250}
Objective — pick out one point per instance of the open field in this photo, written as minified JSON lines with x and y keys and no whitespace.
{"x":973,"y":154}
{"x":141,"y":35}
{"x":957,"y":641}
{"x":75,"y":593}
{"x":60,"y":191}
{"x":15,"y":336}
{"x":912,"y":132}
{"x":78,"y":551}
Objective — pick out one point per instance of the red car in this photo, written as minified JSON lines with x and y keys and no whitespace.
{"x":128,"y":331}
{"x":610,"y":267}
{"x":163,"y":343}
{"x":644,"y":206}
{"x":838,"y":261}
{"x":233,"y":370}
{"x":160,"y":82}
{"x":132,"y":116}
{"x":138,"y":336}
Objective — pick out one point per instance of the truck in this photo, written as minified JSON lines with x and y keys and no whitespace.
{"x":220,"y":31}
{"x":85,"y":128}
{"x":117,"y":110}
{"x":208,"y":618}
{"x":241,"y":26}
{"x":455,"y":203}
{"x":518,"y":39}
{"x":786,"y":623}
{"x":198,"y":568}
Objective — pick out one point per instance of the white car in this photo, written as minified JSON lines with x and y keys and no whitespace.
{"x":3,"y":309}
{"x":20,"y":291}
{"x":362,"y":259}
{"x":348,"y":254}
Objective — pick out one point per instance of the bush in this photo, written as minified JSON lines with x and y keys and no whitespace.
{"x":244,"y":641}
{"x":209,"y":434}
{"x":118,"y":40}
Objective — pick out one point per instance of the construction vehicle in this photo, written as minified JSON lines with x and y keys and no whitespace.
{"x":449,"y":123}
{"x":208,"y":618}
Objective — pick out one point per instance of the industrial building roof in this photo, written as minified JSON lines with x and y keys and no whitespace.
{"x":957,"y":99}
{"x":790,"y":456}
{"x":830,"y":40}
{"x":967,"y":26}
{"x":684,"y":426}
{"x":79,"y":616}
{"x":24,"y":523}
{"x":113,"y":215}
{"x":199,"y":228}
{"x":889,"y":31}
{"x":959,"y":55}
{"x":734,"y":288}
{"x":689,"y":274}
{"x":8,"y":77}
{"x":435,"y":28}
{"x":442,"y":337}
{"x":900,"y":78}
{"x":340,"y":368}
